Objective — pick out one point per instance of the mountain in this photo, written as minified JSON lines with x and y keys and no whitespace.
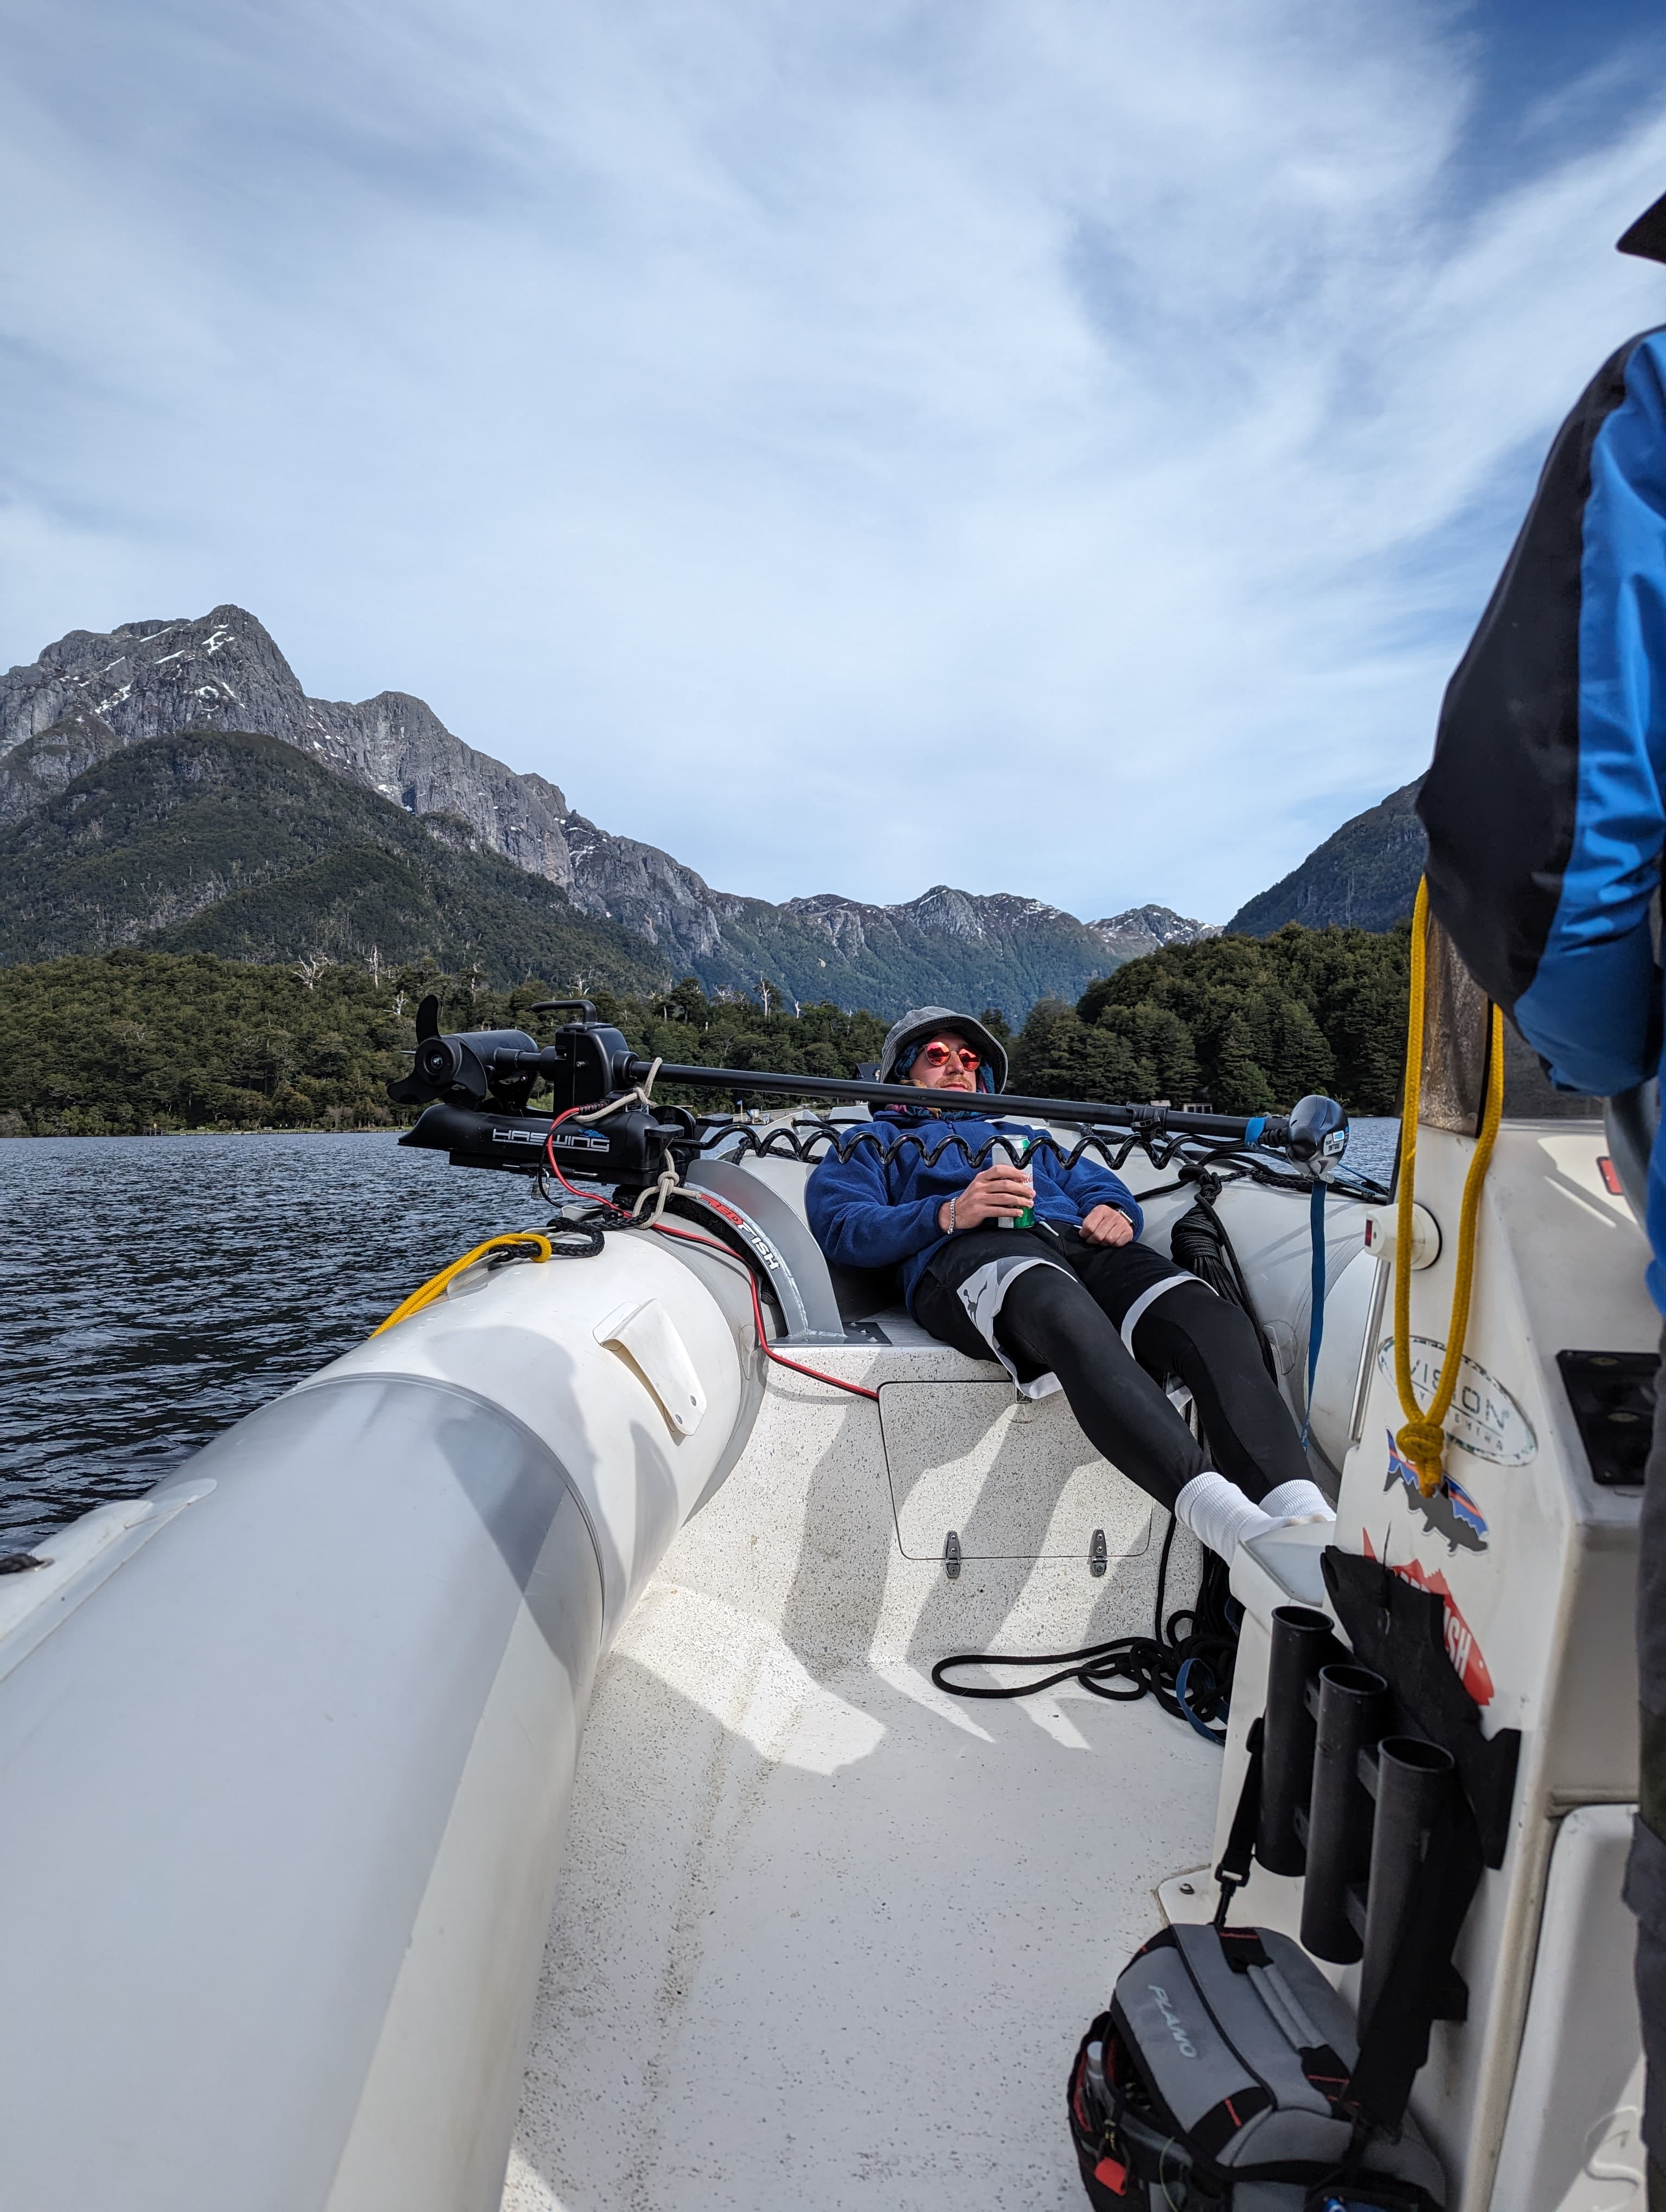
{"x":1146,"y":929}
{"x":95,"y":695}
{"x":1365,"y":874}
{"x":241,"y":845}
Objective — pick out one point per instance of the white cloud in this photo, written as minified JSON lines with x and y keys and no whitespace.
{"x":1058,"y":449}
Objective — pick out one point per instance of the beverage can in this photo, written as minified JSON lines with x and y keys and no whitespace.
{"x":1027,"y":1218}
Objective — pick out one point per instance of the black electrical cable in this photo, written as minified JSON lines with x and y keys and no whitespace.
{"x":1200,"y":1243}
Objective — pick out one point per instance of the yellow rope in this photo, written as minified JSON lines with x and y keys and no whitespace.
{"x":436,"y":1285}
{"x":1423,"y":1439}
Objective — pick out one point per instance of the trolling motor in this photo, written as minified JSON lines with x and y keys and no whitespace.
{"x":476,"y":1086}
{"x":478,"y":1081}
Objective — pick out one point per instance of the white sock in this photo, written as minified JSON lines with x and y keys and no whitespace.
{"x":1218,"y":1514}
{"x":1299,"y":1500}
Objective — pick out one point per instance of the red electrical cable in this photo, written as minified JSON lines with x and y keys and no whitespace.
{"x":688,"y":1236}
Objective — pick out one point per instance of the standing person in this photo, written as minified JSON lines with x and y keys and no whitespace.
{"x":1545,"y":813}
{"x":1071,"y":1301}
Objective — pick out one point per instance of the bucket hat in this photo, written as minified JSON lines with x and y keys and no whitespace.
{"x":921,"y":1021}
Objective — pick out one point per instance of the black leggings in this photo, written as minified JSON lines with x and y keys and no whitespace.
{"x":1067,"y":1319}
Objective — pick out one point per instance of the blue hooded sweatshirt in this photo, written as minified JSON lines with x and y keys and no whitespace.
{"x":866,"y":1212}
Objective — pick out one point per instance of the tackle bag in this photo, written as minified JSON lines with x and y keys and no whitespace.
{"x":1216,"y":2081}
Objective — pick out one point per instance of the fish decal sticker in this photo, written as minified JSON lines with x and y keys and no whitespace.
{"x":1451,"y":1512}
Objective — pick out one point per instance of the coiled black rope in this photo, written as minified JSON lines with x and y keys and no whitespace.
{"x":1189,"y":1674}
{"x":1199,"y":1242}
{"x":580,"y":1239}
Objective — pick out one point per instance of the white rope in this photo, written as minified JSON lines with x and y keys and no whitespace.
{"x":642,"y":1096}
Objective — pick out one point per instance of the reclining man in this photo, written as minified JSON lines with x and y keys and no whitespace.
{"x":1075,"y":1302}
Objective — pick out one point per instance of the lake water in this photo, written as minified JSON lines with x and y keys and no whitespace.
{"x":154,"y":1289}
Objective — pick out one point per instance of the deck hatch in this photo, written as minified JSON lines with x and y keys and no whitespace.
{"x":1014,"y":1479}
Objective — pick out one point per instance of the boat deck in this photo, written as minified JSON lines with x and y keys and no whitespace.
{"x":825,"y":1937}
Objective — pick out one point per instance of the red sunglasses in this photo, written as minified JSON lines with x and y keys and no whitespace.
{"x":940,"y":1055}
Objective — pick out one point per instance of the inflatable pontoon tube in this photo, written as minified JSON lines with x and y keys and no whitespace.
{"x":288,"y":1748}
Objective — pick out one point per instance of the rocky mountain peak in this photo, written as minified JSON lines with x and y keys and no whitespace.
{"x":1364,"y":875}
{"x":1143,"y":929}
{"x":93,"y":693}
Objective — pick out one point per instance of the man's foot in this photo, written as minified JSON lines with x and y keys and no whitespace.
{"x":1293,"y":1503}
{"x":1218,"y":1514}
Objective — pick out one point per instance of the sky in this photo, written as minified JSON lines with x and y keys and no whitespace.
{"x":1059,"y":447}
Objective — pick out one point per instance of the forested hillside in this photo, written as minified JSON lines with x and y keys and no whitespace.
{"x":216,"y":842}
{"x":1249,"y":1024}
{"x":132,"y":1041}
{"x":1364,"y":875}
{"x":69,"y":721}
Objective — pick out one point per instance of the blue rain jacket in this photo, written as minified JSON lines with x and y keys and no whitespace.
{"x":1544,"y":806}
{"x":870,"y":1211}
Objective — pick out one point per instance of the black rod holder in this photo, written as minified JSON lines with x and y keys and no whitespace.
{"x":1411,"y":1779}
{"x":1301,"y":1643}
{"x":1351,"y":1708}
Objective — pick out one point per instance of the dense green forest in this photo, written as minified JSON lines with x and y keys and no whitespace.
{"x":1248,"y":1024}
{"x":128,"y":1041}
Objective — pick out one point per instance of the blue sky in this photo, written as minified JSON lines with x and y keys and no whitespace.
{"x":856,"y":444}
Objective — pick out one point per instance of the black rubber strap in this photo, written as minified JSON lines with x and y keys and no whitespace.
{"x":1233,"y":1871}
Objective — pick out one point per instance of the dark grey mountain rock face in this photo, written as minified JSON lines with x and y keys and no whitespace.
{"x":93,"y":694}
{"x":1146,"y":929}
{"x":1365,"y":874}
{"x":153,"y":679}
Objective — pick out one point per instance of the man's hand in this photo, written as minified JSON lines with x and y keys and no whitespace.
{"x":1106,"y":1225}
{"x":999,"y":1193}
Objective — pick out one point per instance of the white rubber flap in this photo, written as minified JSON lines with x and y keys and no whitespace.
{"x":648,"y":1336}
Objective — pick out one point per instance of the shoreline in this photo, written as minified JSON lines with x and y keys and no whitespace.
{"x":205,"y":1129}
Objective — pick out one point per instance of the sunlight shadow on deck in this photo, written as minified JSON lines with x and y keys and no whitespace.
{"x":825,"y":1937}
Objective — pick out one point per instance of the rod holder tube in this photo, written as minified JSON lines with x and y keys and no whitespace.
{"x":1301,"y":1643}
{"x":1412,"y":1780}
{"x":1352,"y":1711}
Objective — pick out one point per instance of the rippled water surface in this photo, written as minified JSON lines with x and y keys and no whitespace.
{"x":154,"y":1289}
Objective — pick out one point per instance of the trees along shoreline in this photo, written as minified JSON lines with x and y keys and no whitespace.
{"x":130,"y":1043}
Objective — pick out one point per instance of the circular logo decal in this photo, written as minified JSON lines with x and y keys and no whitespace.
{"x":1484,"y":1419}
